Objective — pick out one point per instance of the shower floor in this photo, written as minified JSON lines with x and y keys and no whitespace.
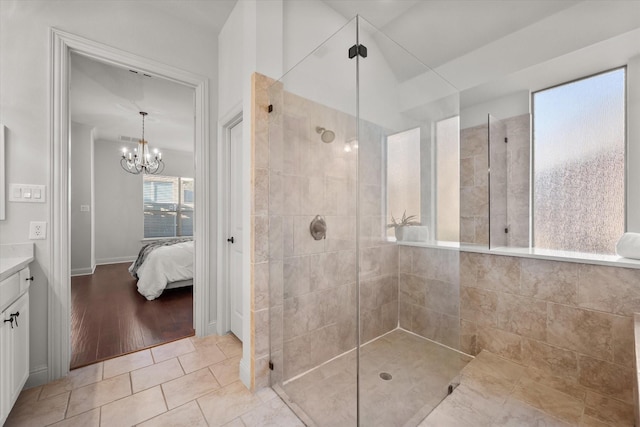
{"x":421,"y":372}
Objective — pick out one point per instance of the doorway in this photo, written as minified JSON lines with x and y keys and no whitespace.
{"x":63,"y":44}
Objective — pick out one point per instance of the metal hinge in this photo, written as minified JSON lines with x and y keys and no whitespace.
{"x":506,"y":229}
{"x":506,"y":139}
{"x":357,"y":49}
{"x":270,"y":108}
{"x":270,"y":365}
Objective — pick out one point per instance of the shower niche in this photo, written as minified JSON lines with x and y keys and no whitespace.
{"x":363,"y":331}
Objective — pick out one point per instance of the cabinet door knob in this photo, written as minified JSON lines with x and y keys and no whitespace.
{"x":29,"y":278}
{"x":15,"y":316}
{"x":231,"y":239}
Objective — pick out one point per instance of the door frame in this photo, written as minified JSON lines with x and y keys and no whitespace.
{"x":59,"y":294}
{"x":229,"y":120}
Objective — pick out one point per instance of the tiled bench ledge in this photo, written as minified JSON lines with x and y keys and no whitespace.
{"x":636,"y":335}
{"x":535,"y":253}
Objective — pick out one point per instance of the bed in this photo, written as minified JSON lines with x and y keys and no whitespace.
{"x":164,"y":264}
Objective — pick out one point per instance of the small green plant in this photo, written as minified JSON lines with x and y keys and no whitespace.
{"x":404,"y":221}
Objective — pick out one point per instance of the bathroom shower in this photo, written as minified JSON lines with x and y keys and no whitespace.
{"x":327,"y":136}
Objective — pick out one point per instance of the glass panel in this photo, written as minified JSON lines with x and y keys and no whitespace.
{"x":403,"y":178}
{"x":312,"y":171}
{"x":579,"y":156}
{"x":409,"y":296}
{"x":498,"y":225}
{"x":448,"y":179}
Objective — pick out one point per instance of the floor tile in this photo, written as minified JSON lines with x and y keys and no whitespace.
{"x":549,"y":400}
{"x":98,"y":394}
{"x":201,"y":358}
{"x":187,"y":415}
{"x":189,"y":387}
{"x":273,"y":413}
{"x":126,"y":363}
{"x":133,"y":409}
{"x":31,"y":412}
{"x":86,"y":419}
{"x":77,"y":378}
{"x":227,"y":371}
{"x":228,"y":403}
{"x":153,"y":375}
{"x":516,"y":414}
{"x":230,"y":345}
{"x":172,"y":349}
{"x":237,"y":422}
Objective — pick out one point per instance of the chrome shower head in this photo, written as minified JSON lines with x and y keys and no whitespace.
{"x":326,"y":135}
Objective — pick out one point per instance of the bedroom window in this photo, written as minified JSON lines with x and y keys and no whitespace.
{"x":168,"y":206}
{"x":579,"y":164}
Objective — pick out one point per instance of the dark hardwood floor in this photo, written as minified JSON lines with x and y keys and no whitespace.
{"x":110,"y":318}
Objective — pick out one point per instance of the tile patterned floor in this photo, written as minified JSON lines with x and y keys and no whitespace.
{"x":194,"y":382}
{"x":497,"y":392}
{"x":421,"y":371}
{"x":191,"y":382}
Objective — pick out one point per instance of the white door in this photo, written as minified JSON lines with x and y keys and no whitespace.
{"x":235,"y":228}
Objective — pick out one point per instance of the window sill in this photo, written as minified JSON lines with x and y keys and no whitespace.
{"x":535,"y":253}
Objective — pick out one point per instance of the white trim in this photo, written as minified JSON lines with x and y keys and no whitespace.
{"x":2,"y":173}
{"x":245,"y":372}
{"x":115,"y":260}
{"x":225,"y":123}
{"x":61,"y":46}
{"x":37,"y":377}
{"x":83,"y":271}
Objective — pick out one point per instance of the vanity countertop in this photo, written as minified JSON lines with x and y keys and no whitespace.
{"x":14,"y":257}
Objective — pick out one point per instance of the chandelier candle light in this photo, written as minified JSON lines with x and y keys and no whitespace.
{"x":140,"y":160}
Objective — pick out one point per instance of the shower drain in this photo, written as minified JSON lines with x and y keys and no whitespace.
{"x":385,"y":376}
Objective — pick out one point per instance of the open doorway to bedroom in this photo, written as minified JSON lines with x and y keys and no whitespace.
{"x":131,"y":234}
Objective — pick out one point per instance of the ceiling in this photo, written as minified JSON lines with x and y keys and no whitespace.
{"x":109,"y":98}
{"x":485,"y":48}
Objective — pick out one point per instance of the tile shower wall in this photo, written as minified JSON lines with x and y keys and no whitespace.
{"x":313,"y":282}
{"x":571,"y":321}
{"x":474,"y":189}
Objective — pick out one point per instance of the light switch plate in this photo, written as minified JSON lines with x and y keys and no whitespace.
{"x":28,"y":193}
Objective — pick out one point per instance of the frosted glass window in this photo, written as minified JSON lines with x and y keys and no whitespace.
{"x":403,"y":175}
{"x":448,"y":179}
{"x":579,"y":158}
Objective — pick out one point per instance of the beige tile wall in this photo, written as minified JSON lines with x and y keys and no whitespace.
{"x":310,"y":312}
{"x":570,"y":320}
{"x":474,"y":189}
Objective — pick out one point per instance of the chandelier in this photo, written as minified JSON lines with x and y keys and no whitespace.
{"x":140,"y":160}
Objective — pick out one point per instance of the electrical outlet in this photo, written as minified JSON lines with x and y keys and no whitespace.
{"x":37,"y":230}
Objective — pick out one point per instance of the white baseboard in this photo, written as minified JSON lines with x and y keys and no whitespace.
{"x":38,"y":376}
{"x":117,"y":260}
{"x":245,"y":372}
{"x":82,"y":271}
{"x":212,"y":329}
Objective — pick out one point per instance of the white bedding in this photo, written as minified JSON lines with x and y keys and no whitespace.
{"x":163,"y":265}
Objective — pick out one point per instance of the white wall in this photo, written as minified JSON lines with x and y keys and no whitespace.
{"x":118,"y":201}
{"x":511,"y":105}
{"x":131,"y":26}
{"x":81,"y":180}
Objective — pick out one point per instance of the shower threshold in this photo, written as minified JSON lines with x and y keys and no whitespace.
{"x":403,"y":377}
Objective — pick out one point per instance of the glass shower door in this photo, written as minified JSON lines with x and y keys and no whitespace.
{"x":312,"y":215}
{"x":408,"y":294}
{"x":498,"y":223}
{"x":364,"y":329}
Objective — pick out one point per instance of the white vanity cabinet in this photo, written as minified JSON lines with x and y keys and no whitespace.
{"x":14,"y":338}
